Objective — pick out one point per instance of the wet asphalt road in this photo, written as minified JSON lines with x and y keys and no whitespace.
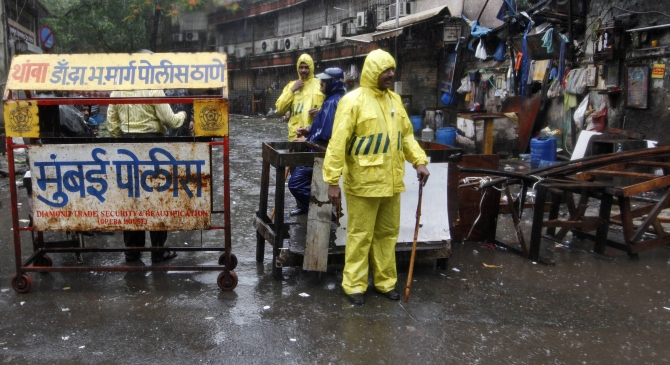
{"x":585,"y":310}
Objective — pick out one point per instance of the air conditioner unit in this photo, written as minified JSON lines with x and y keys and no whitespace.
{"x":240,"y":52}
{"x":361,"y":19}
{"x":267,"y":46}
{"x":221,"y":49}
{"x":303,"y":42}
{"x":289,"y":44}
{"x":177,"y":38}
{"x":230,"y":49}
{"x":191,"y":36}
{"x":278,"y":45}
{"x":327,"y":32}
{"x":314,"y":39}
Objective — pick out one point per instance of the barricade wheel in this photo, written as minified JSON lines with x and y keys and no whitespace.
{"x":227,"y":281}
{"x":22,"y":284}
{"x":233,"y":261}
{"x":43,"y":261}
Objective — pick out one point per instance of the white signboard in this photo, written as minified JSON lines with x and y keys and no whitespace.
{"x":434,"y":214}
{"x":121,"y":187}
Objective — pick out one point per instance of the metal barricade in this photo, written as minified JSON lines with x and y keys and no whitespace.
{"x":80,"y":184}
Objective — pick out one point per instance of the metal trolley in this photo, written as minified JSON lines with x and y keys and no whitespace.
{"x":29,"y":117}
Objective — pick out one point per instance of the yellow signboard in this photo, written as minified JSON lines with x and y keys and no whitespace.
{"x":109,"y":72}
{"x":658,"y":71}
{"x":21,"y":119}
{"x":210,"y":117}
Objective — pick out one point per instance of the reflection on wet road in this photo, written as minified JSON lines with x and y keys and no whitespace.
{"x":586,"y":309}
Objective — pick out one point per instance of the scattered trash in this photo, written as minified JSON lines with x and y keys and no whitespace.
{"x":81,"y":347}
{"x":208,"y":318}
{"x":22,"y":303}
{"x":4,"y":290}
{"x":293,"y":340}
{"x":24,"y":220}
{"x":411,"y":328}
{"x":666,"y":308}
{"x":66,"y":288}
{"x":455,"y":269}
{"x":266,"y":307}
{"x":492,"y":266}
{"x":65,"y":338}
{"x":474,"y":252}
{"x":65,"y":309}
{"x":304,"y":295}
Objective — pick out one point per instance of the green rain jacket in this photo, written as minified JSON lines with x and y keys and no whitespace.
{"x":372,"y":136}
{"x":301,"y":101}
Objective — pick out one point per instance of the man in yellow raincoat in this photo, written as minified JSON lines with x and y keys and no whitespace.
{"x":372,"y":137}
{"x":302,"y":97}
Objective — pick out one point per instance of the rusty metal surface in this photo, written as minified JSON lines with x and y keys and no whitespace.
{"x":121,"y":187}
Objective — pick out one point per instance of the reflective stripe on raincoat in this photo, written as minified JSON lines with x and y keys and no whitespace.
{"x":372,"y":136}
{"x":301,"y":101}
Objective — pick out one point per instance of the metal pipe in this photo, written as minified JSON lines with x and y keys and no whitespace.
{"x":648,"y":28}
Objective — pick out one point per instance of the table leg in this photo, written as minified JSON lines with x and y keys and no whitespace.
{"x":487,"y":148}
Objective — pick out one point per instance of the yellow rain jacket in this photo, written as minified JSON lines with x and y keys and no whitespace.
{"x":372,"y":136}
{"x":301,"y":101}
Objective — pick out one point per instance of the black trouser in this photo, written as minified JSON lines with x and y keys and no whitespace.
{"x":137,"y":239}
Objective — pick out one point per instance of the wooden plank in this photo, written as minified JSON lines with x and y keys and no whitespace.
{"x":662,"y":204}
{"x":651,"y":164}
{"x":646,"y":186}
{"x":585,"y":224}
{"x":630,"y":174}
{"x":318,"y":222}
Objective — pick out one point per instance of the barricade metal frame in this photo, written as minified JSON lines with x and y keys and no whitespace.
{"x":39,"y":261}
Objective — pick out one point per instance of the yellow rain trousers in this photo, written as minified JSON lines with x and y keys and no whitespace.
{"x":372,"y":137}
{"x":301,"y":101}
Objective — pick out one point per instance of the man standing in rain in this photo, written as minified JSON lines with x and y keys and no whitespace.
{"x":300,"y":183}
{"x":372,"y":138}
{"x":302,"y":97}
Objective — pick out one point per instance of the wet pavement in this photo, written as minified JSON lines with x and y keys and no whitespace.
{"x":587,"y":309}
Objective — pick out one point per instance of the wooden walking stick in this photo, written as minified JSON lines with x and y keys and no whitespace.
{"x":272,"y":215}
{"x":416,"y":235}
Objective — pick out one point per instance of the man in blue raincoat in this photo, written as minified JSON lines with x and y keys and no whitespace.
{"x":332,"y":85}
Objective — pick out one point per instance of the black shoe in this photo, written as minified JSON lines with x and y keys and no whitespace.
{"x":356,"y":298}
{"x":164,"y":256}
{"x":391,"y":294}
{"x":131,"y":258}
{"x":298,"y":211}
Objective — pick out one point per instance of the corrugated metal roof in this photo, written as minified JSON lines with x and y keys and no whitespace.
{"x":374,"y":36}
{"x":415,"y":18}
